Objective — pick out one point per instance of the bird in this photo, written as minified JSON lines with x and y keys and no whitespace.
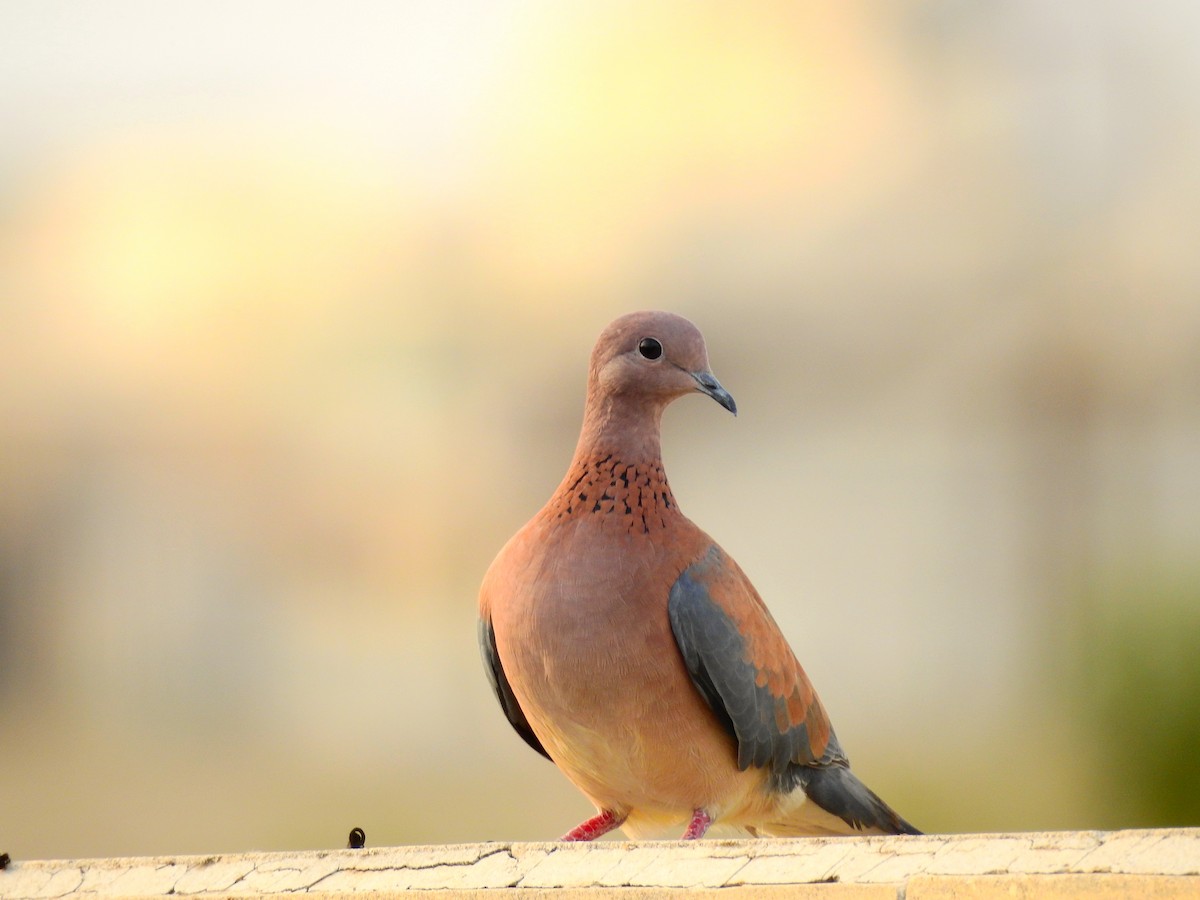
{"x":626,"y":646}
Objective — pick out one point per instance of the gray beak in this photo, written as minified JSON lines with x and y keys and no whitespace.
{"x":708,"y":384}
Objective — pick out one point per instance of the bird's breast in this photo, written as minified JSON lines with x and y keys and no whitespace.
{"x":592,"y":609}
{"x":586,"y":638}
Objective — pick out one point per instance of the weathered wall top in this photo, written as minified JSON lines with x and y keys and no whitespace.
{"x":1156,"y":863}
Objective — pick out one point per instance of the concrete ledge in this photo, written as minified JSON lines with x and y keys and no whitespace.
{"x":1160,"y":863}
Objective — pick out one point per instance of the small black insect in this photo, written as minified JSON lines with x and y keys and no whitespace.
{"x":358,"y":839}
{"x":5,"y":859}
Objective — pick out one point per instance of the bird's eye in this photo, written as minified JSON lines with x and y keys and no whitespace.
{"x":650,"y":348}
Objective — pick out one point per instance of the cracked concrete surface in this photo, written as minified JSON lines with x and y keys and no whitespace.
{"x":1157,"y":863}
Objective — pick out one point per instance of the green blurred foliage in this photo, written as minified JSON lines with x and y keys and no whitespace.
{"x":1139,"y":693}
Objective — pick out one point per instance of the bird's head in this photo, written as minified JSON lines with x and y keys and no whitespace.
{"x":654,"y":357}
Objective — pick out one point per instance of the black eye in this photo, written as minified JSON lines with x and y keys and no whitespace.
{"x":650,"y":348}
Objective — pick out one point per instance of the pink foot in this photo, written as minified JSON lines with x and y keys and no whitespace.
{"x":699,"y":824}
{"x":594,"y":827}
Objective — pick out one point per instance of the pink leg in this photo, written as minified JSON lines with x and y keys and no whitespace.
{"x":699,"y":824}
{"x":595,"y":826}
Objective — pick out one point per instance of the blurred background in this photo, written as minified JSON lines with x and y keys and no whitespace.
{"x":295,"y":307}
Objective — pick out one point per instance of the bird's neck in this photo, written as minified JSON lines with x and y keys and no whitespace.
{"x":617,"y":469}
{"x":619,"y":426}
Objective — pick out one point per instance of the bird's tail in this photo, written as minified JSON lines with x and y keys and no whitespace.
{"x":844,"y":805}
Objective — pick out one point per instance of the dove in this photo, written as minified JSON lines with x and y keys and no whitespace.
{"x":626,"y":646}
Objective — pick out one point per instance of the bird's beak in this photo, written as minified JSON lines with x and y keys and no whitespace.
{"x":708,"y":384}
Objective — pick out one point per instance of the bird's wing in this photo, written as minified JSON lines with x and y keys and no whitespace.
{"x":742,"y":665}
{"x":501,"y":687}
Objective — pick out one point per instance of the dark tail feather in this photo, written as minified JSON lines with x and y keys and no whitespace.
{"x":836,"y":790}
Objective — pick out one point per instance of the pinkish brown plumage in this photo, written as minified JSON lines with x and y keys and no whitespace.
{"x":626,"y":646}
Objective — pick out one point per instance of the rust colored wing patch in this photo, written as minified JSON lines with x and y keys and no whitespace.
{"x":742,"y":665}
